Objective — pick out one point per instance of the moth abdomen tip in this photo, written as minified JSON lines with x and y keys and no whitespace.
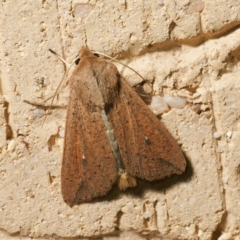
{"x":126,"y":181}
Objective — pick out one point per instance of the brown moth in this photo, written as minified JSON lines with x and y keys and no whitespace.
{"x":111,"y":135}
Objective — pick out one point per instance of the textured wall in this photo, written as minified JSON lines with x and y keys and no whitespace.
{"x":187,"y":48}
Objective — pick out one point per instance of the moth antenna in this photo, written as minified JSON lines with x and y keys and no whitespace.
{"x":68,"y":65}
{"x":114,"y":59}
{"x":61,"y":58}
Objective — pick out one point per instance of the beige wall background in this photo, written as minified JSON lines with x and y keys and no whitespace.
{"x":187,"y":48}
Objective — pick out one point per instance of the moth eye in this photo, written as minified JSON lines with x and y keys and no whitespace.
{"x":77,"y":61}
{"x":96,"y":55}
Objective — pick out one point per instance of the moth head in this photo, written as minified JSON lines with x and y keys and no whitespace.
{"x":78,"y":58}
{"x":85,"y":52}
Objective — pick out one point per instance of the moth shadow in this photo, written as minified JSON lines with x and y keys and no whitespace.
{"x":164,"y":184}
{"x":144,"y":185}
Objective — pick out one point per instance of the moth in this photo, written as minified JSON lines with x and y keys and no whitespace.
{"x":111,"y":135}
